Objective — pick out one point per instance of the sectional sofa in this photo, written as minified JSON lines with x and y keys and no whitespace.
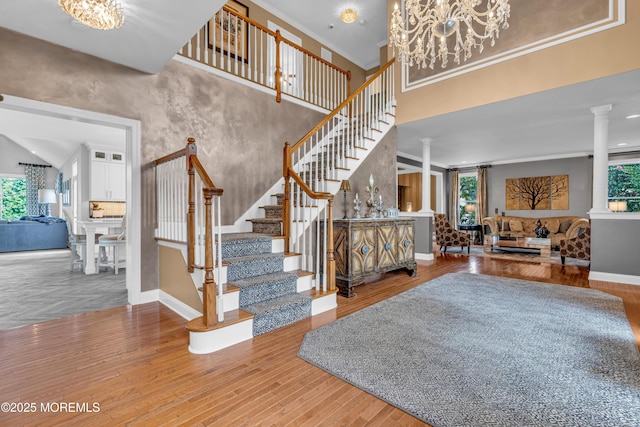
{"x":560,"y":227}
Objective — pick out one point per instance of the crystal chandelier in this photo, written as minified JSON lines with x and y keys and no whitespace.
{"x":98,"y":14}
{"x":434,"y":30}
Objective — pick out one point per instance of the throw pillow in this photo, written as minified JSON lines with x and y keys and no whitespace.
{"x":515,"y":225}
{"x":505,"y":225}
{"x":553,"y":225}
{"x":564,"y":225}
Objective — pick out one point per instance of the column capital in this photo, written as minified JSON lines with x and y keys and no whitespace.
{"x":601,"y":110}
{"x":426,"y":142}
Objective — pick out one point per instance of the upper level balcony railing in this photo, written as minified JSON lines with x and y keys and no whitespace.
{"x":240,"y":46}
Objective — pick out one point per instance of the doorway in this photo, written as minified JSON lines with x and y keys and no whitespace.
{"x":132,"y":130}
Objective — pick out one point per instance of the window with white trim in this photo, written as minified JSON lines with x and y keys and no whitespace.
{"x":624,"y":185}
{"x":467,"y":197}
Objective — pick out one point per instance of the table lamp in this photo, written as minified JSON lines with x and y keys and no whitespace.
{"x":345,"y":186}
{"x":47,"y":196}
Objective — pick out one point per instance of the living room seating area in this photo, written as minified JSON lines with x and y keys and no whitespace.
{"x":560,"y":227}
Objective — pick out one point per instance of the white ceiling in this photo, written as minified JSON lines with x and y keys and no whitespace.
{"x":55,"y":139}
{"x":549,"y":124}
{"x":359,"y":41}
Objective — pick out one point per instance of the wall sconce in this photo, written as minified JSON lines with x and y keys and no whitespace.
{"x":47,"y":196}
{"x":618,"y":206}
{"x":345,"y":186}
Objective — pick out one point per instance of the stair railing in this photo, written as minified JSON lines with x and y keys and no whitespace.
{"x":320,"y":158}
{"x":188,"y":206}
{"x":253,"y":52}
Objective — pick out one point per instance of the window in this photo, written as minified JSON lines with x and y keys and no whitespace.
{"x":624,"y":186}
{"x":468,"y":197}
{"x":13,"y":201}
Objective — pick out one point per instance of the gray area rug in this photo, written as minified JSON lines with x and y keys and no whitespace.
{"x":475,"y":350}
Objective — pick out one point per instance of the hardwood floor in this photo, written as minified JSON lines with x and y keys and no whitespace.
{"x":134,"y":364}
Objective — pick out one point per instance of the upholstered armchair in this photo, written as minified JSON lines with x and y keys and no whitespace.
{"x":578,"y":247}
{"x":446,"y":235}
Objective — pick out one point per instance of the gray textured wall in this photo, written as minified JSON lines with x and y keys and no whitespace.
{"x":240,"y":131}
{"x":381,"y":162}
{"x":579,"y":169}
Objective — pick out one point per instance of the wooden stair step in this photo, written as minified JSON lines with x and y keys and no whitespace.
{"x":230,"y":318}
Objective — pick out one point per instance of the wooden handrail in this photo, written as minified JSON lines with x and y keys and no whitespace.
{"x":171,"y":156}
{"x":284,"y":39}
{"x":202,"y":173}
{"x":340,"y":107}
{"x":301,"y":187}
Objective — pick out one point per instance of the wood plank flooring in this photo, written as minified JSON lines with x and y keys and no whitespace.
{"x":134,"y":364}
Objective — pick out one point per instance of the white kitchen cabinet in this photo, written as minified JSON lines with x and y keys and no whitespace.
{"x":108,"y":176}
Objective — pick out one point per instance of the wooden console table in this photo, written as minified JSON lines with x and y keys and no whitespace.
{"x":368,"y":246}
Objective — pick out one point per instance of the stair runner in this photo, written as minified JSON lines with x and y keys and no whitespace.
{"x":266,"y":290}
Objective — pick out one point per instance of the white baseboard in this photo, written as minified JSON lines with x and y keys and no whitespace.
{"x":613,"y":277}
{"x":424,"y":257}
{"x":144,"y":297}
{"x":177,"y":306}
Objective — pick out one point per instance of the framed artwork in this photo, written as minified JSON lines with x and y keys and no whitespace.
{"x":538,"y":193}
{"x":66,"y":189}
{"x":228,"y":33}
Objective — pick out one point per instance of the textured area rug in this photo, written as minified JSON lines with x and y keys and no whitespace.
{"x":475,"y":350}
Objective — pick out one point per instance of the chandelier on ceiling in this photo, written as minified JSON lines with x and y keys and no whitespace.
{"x":348,"y":15}
{"x":98,"y":14}
{"x":435,"y":29}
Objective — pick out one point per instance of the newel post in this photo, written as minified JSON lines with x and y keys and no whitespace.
{"x":331,"y":263}
{"x":278,"y":70}
{"x":209,"y":286}
{"x":286,"y":214}
{"x":191,"y":151}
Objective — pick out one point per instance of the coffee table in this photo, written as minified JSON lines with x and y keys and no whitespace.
{"x":518,"y":244}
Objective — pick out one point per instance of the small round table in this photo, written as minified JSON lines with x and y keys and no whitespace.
{"x":475,"y":228}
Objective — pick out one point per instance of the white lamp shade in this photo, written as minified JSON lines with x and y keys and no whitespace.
{"x":618,"y":206}
{"x":47,"y":196}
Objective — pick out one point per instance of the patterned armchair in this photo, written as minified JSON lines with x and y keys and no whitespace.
{"x":578,"y":247}
{"x":448,"y":236}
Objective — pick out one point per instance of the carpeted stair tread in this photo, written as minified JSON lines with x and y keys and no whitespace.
{"x":253,"y":265}
{"x":245,"y":244}
{"x":266,"y":290}
{"x":278,"y":312}
{"x":265,"y":287}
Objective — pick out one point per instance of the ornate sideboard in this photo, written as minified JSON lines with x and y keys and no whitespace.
{"x":367,"y":246}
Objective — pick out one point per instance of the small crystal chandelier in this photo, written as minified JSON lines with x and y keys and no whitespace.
{"x":98,"y":14}
{"x":348,"y":15}
{"x":431,"y":24}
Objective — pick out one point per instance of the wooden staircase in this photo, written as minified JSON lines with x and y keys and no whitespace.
{"x":271,"y":223}
{"x":298,"y":225}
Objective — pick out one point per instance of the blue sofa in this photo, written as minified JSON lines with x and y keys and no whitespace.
{"x":33,"y":234}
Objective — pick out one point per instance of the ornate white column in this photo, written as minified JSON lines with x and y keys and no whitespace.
{"x":426,"y":175}
{"x":600,"y":158}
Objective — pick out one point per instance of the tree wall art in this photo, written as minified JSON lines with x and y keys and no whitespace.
{"x":538,"y":193}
